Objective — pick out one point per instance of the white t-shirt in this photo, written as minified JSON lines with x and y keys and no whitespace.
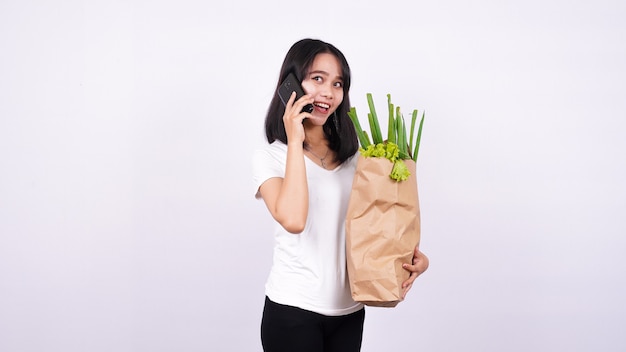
{"x":309,"y":268}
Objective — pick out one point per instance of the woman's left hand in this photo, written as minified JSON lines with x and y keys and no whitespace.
{"x":420,"y":264}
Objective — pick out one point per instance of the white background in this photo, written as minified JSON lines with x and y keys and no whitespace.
{"x":127,"y":217}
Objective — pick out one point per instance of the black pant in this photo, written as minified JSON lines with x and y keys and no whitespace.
{"x":290,"y":329}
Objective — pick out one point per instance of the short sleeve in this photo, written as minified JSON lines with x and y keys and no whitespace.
{"x":267,"y":163}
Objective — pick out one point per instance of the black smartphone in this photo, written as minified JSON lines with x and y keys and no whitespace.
{"x":290,"y":85}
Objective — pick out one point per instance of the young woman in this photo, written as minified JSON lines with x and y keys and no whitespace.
{"x":304,"y":177}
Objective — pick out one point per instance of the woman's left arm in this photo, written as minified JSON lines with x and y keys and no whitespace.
{"x":420,"y":264}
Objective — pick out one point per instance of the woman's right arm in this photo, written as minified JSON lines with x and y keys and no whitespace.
{"x":287,"y":198}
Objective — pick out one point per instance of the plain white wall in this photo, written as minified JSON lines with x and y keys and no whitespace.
{"x":127,"y":217}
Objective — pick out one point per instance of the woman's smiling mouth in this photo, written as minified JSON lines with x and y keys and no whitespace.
{"x":322,"y":106}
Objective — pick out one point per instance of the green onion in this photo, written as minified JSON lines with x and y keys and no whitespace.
{"x":419,"y":137}
{"x":397,"y":147}
{"x":391,"y":131}
{"x":413,"y":118}
{"x":401,"y":132}
{"x":363,"y":139}
{"x":373,"y":119}
{"x":367,"y":139}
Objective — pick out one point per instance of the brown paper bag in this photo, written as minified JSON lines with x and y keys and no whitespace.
{"x":382,"y":231}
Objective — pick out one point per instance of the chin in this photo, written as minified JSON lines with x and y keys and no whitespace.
{"x":317,"y":120}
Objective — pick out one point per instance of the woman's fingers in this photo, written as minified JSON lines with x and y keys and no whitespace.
{"x":419,"y":265}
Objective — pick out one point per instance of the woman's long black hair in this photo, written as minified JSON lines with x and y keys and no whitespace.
{"x":339,"y":131}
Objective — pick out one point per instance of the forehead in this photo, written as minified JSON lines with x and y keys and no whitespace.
{"x":327,"y":63}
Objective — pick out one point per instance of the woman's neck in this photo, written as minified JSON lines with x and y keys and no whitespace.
{"x":315,"y":138}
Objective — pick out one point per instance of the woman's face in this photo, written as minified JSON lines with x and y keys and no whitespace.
{"x":324,"y":82}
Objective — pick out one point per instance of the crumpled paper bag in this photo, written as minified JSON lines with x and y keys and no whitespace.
{"x":382,"y":231}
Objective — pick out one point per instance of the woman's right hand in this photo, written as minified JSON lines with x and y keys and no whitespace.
{"x":294,"y":117}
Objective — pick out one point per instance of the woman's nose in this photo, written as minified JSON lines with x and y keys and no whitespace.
{"x":327,"y":91}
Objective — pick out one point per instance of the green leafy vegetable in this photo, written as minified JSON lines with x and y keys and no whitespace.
{"x":382,"y":150}
{"x":399,"y":172}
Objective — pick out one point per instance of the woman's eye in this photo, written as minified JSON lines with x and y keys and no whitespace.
{"x":317,"y":78}
{"x":338,"y":84}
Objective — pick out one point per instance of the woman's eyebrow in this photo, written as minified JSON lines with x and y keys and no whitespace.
{"x":322,"y":72}
{"x":319,"y":72}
